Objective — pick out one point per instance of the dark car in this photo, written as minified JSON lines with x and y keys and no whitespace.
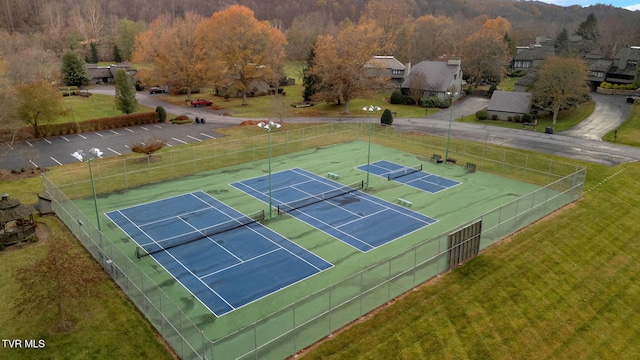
{"x":201,"y":102}
{"x":155,"y":90}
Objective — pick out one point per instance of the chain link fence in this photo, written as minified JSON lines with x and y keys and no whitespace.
{"x":307,"y":320}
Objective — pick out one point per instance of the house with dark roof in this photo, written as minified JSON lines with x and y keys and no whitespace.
{"x":597,"y":67}
{"x":528,"y":57}
{"x":624,"y":68}
{"x":435,"y":78}
{"x":107,"y":74}
{"x":505,"y":104}
{"x":387,"y":67}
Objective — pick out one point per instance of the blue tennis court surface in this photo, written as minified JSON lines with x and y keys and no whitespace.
{"x":224,"y":271}
{"x":356,"y":218}
{"x":420,"y":180}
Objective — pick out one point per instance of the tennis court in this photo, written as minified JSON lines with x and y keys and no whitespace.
{"x":347,"y":214}
{"x":410,"y":175}
{"x":224,"y":258}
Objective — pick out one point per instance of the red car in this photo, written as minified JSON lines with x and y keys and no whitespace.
{"x":201,"y":102}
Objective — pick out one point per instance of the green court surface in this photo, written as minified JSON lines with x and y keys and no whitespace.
{"x":478,"y":193}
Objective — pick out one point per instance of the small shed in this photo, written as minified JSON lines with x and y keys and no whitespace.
{"x":505,"y":104}
{"x":16,"y":221}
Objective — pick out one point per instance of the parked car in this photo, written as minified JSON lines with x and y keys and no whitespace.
{"x":633,"y":98}
{"x":155,"y":90}
{"x":201,"y":102}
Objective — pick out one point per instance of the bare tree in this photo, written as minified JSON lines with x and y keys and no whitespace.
{"x":58,"y":282}
{"x":417,"y":87}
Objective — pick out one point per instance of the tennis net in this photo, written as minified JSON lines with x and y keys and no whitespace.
{"x":403,"y":172}
{"x":182,"y":239}
{"x":297,"y":204}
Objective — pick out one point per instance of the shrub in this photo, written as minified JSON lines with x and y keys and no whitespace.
{"x":494,"y":117}
{"x":430,"y":102}
{"x":162,"y":114}
{"x":516,"y":118}
{"x":510,"y":118}
{"x":492,"y":88}
{"x":527,"y":118}
{"x":481,"y":115}
{"x":387,"y":117}
{"x":181,"y":119}
{"x":396,"y":97}
{"x":469,"y":90}
{"x":605,"y":85}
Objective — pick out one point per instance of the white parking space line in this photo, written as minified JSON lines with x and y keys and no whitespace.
{"x":158,"y":126}
{"x":65,"y":138}
{"x":58,"y":162}
{"x":99,"y":134}
{"x":144,"y":128}
{"x":117,"y":153}
{"x":28,"y":143}
{"x":194,"y":138}
{"x":178,"y":140}
{"x":82,"y":136}
{"x":209,"y":136}
{"x":48,"y":142}
{"x":115,"y":132}
{"x":34,"y":164}
{"x":129,"y":130}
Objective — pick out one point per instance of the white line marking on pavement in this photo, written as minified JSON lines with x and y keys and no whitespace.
{"x":110,"y":149}
{"x":59,"y":163}
{"x":178,"y":140}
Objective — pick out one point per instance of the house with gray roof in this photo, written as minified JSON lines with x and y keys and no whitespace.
{"x":387,"y":67}
{"x":624,"y":69}
{"x":107,"y":74}
{"x":436,"y":78}
{"x":505,"y":104}
{"x":528,"y":57}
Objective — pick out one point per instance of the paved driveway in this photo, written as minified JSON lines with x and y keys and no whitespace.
{"x":610,"y":112}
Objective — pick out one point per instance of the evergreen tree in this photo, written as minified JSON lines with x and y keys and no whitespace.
{"x":74,"y":71}
{"x":116,"y":54}
{"x":387,"y":117}
{"x":310,"y":81}
{"x":588,"y":29}
{"x":562,"y":42}
{"x":125,"y":93}
{"x":94,"y":53}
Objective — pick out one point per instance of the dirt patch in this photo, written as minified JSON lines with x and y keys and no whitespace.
{"x":8,"y":175}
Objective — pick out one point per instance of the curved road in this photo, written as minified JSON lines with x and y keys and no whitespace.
{"x":581,"y":142}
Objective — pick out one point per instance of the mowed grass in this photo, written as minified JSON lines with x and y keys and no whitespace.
{"x":566,"y":287}
{"x":629,"y":132}
{"x":96,"y":106}
{"x":108,"y":326}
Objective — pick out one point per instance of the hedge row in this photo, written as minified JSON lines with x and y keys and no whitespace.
{"x":97,"y":124}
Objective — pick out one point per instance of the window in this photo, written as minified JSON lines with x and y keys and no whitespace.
{"x":397,"y":72}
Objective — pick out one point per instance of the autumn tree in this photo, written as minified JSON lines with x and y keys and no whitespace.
{"x":174,"y":53}
{"x":394,"y":21}
{"x":340,"y":61}
{"x":559,"y":83}
{"x":58,"y":282}
{"x":26,"y":60}
{"x":9,"y":122}
{"x":37,"y":103}
{"x":303,"y":32}
{"x":485,"y":55}
{"x":126,"y":36}
{"x":125,"y":93}
{"x":432,"y":36}
{"x":243,"y":48}
{"x":73,"y":69}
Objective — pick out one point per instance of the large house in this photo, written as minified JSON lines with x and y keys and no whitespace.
{"x":387,"y":67}
{"x":528,"y":57}
{"x":107,"y":74}
{"x":624,"y":67}
{"x":436,"y":78}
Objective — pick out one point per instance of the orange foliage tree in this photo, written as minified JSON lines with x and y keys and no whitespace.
{"x":242,"y":49}
{"x":173,"y":55}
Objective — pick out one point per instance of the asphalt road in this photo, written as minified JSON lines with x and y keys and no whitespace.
{"x":582,"y":142}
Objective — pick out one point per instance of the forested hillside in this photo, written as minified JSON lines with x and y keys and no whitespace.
{"x":528,"y":18}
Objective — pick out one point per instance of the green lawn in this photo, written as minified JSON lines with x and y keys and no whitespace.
{"x":96,"y":106}
{"x":629,"y":132}
{"x":564,"y":288}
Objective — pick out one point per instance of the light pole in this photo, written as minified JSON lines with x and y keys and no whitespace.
{"x":268,"y":127}
{"x":370,"y":110}
{"x":94,"y":153}
{"x":451,"y":96}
